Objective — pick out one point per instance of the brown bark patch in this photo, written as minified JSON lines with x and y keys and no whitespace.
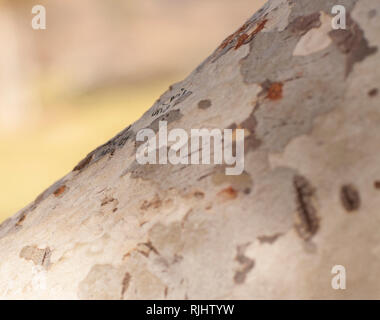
{"x":373,"y":92}
{"x":241,"y":40}
{"x":106,"y":201}
{"x":204,"y":104}
{"x":303,"y":24}
{"x":125,"y":284}
{"x":307,"y":221}
{"x":21,"y":220}
{"x":155,"y":203}
{"x":245,"y":265}
{"x":199,"y":195}
{"x":247,"y":37}
{"x":350,"y":197}
{"x":372,"y":13}
{"x":232,"y":37}
{"x":242,"y":35}
{"x":228,"y":194}
{"x":60,"y":191}
{"x":275,"y":91}
{"x":269,"y":239}
{"x":37,"y":256}
{"x":251,"y":142}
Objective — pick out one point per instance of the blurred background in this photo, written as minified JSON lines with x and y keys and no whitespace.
{"x":97,"y":67}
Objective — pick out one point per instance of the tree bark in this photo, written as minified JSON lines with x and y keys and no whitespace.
{"x":309,"y":197}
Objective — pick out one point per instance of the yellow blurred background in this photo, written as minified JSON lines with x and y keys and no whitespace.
{"x":97,"y":67}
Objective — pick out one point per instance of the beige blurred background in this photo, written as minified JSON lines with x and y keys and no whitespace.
{"x":97,"y":67}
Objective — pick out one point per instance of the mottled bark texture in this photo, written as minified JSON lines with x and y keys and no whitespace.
{"x":309,"y":198}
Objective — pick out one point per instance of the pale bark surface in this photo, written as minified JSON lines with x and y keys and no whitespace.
{"x":308,"y":198}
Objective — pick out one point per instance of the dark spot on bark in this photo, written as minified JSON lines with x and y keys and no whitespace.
{"x":246,"y":265}
{"x":377,"y":184}
{"x":199,"y":195}
{"x":155,"y":203}
{"x":146,"y":248}
{"x":84,"y":163}
{"x":185,"y":218}
{"x":302,"y":25}
{"x":274,"y":90}
{"x":126,"y":255}
{"x":204,"y":104}
{"x":183,"y":97}
{"x":372,"y":13}
{"x":21,"y":220}
{"x":125,"y":284}
{"x":271,"y":90}
{"x":307,"y":222}
{"x":60,"y":191}
{"x":350,"y":197}
{"x":111,"y":204}
{"x":269,"y":239}
{"x":247,"y":191}
{"x":46,"y":258}
{"x":177,"y":258}
{"x":205,"y":176}
{"x":232,"y":126}
{"x":352,"y":43}
{"x":228,"y":193}
{"x":106,"y":201}
{"x":264,"y":89}
{"x":373,"y":92}
{"x":250,"y":124}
